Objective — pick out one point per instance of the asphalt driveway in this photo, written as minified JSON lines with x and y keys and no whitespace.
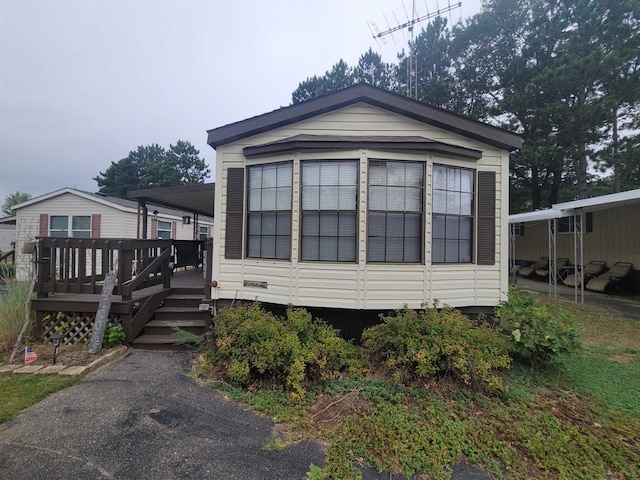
{"x":142,"y":417}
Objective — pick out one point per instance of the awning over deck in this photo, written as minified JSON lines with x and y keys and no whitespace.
{"x":197,"y":198}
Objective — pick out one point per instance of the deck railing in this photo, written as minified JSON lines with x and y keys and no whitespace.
{"x":79,"y":265}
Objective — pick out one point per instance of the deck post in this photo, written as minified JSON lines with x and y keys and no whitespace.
{"x":125,"y":263}
{"x":42,"y":260}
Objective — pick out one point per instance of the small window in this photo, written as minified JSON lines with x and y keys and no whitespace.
{"x":203,"y":232}
{"x":517,"y":229}
{"x":567,"y":224}
{"x":164,"y":229}
{"x":80,"y":226}
{"x":453,"y":214}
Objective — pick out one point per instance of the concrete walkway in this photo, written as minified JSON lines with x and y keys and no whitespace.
{"x":623,"y":306}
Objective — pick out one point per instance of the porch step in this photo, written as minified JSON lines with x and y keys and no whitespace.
{"x":183,"y":301}
{"x":199,"y":292}
{"x":166,"y":327}
{"x":181,"y":313}
{"x":159,"y":342}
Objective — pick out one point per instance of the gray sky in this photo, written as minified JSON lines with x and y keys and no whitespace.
{"x":83,"y":82}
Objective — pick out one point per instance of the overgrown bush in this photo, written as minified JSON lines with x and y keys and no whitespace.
{"x":12,"y":313}
{"x":253,"y":345}
{"x":537,"y":332}
{"x":416,"y":345}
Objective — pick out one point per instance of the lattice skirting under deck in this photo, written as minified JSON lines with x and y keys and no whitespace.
{"x":77,"y":327}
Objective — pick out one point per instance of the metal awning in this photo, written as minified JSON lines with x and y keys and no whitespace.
{"x":197,"y":198}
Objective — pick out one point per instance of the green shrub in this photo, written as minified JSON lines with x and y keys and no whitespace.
{"x":253,"y":345}
{"x":416,"y":345}
{"x":536,"y":332}
{"x":113,"y":335}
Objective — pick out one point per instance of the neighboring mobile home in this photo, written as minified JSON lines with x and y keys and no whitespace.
{"x":610,"y":232}
{"x":7,"y":234}
{"x":74,"y":213}
{"x":362,"y":199}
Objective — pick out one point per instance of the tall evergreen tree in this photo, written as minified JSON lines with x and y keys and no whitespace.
{"x":152,"y":167}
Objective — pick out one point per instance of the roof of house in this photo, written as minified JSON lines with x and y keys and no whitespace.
{"x":8,"y":220}
{"x":592,"y":204}
{"x":114,"y":202}
{"x":374,"y":96}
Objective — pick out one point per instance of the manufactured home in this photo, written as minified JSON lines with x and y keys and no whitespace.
{"x":362,"y":199}
{"x":604,"y":230}
{"x":72,"y":213}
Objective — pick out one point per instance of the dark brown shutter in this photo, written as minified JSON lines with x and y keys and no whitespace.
{"x":486,"y":218}
{"x":96,"y":218}
{"x":174,"y":230}
{"x":235,"y":204}
{"x":154,"y":228}
{"x":44,"y":225}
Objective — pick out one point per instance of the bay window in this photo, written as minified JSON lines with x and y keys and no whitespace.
{"x":453,"y":212}
{"x":395,"y":211}
{"x":329,"y":206}
{"x":269,"y":216}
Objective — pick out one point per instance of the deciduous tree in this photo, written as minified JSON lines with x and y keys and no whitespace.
{"x":13,"y":199}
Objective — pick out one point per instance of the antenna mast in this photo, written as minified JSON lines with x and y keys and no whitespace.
{"x":412,"y":63}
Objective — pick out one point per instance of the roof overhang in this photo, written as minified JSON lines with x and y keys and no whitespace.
{"x":338,"y":142}
{"x":538,"y":215}
{"x":197,"y":198}
{"x":586,"y":205}
{"x":374,"y":96}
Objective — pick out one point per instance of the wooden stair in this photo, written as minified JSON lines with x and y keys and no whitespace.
{"x":179,"y":310}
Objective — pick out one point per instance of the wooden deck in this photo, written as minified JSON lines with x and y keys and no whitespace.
{"x":133,"y":313}
{"x":191,"y":279}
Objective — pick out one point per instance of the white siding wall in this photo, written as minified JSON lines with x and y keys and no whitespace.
{"x":360,"y":285}
{"x":7,"y":236}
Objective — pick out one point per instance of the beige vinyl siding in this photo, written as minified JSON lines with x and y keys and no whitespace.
{"x":360,"y":285}
{"x":112,"y":222}
{"x":615,"y":238}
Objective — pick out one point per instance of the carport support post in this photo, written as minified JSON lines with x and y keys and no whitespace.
{"x":553,"y":227}
{"x":512,"y":252}
{"x":578,"y":253}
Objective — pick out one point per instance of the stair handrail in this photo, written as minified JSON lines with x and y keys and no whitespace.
{"x":161,"y":262}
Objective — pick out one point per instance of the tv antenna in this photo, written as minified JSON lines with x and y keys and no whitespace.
{"x":412,"y":63}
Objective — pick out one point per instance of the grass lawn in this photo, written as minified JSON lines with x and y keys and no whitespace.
{"x":579,"y":418}
{"x":22,"y":391}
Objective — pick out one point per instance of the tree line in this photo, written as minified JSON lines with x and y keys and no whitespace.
{"x":564,"y":74}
